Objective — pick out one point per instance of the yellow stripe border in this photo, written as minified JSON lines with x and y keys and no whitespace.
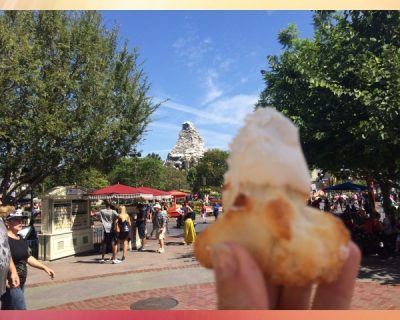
{"x":199,"y":4}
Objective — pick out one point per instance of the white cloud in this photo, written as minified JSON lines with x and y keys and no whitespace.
{"x":199,"y":113}
{"x":233,"y":109}
{"x":164,"y":125}
{"x":225,"y":65}
{"x":212,"y":90}
{"x":191,"y":47}
{"x":244,"y":79}
{"x":215,"y":139}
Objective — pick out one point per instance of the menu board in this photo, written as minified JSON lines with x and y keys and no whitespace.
{"x":62,"y":216}
{"x":79,"y":214}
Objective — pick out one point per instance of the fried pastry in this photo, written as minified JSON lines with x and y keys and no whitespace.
{"x":264,"y":200}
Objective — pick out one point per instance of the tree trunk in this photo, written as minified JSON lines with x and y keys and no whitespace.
{"x":386,"y":202}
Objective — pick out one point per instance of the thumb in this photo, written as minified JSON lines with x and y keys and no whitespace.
{"x":240,"y":282}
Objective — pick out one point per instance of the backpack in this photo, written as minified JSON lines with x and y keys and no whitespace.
{"x":124,"y":226}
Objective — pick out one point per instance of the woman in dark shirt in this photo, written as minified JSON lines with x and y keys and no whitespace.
{"x":14,"y":298}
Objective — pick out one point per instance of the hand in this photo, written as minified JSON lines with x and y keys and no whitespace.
{"x":14,"y":281}
{"x":241,"y":284}
{"x":50,"y":272}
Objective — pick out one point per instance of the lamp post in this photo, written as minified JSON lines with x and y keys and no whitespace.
{"x":136,"y":156}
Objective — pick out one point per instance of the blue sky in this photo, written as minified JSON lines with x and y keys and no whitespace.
{"x":206,"y":63}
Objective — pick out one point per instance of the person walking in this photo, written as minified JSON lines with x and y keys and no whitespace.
{"x":108,"y":217}
{"x":165,"y":212}
{"x":13,"y":298}
{"x":141,"y":218}
{"x":160,"y":224}
{"x":153,"y":219}
{"x":189,"y":231}
{"x":216,"y":207}
{"x":8,"y":272}
{"x":122,"y":229}
{"x":204,"y":212}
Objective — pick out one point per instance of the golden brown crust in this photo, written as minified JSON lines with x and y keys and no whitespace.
{"x":294,"y":244}
{"x":280,"y":214}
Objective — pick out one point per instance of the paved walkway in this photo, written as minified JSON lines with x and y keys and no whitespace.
{"x":83,"y":283}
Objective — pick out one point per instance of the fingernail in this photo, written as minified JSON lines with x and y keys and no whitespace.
{"x":224,"y":261}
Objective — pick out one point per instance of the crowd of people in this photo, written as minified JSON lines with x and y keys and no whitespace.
{"x":374,"y":232}
{"x":120,"y":227}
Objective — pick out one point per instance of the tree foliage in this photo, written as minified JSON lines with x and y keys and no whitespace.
{"x":343,"y":89}
{"x":209,"y":171}
{"x":148,"y":172}
{"x":154,"y":156}
{"x":71,"y":97}
{"x":90,"y":179}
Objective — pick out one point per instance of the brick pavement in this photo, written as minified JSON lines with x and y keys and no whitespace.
{"x":191,"y":297}
{"x":370,"y":295}
{"x":367,"y":296}
{"x":377,"y":289}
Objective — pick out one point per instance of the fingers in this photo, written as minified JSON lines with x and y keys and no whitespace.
{"x":337,"y":295}
{"x":15,"y":281}
{"x":240,"y":282}
{"x":294,"y":298}
{"x":50,"y":272}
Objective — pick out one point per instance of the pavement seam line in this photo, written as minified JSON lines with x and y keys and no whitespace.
{"x":54,"y":282}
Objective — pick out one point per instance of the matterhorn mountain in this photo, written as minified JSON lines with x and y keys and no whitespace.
{"x":188,"y":149}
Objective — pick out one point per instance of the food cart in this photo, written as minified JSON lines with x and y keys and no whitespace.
{"x":178,"y":198}
{"x":65,"y":223}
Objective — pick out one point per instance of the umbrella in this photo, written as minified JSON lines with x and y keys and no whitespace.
{"x":347,"y":186}
{"x":177,"y":194}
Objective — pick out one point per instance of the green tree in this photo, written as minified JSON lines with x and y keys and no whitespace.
{"x":134,"y":171}
{"x":342,"y":88}
{"x":154,"y":156}
{"x":125,"y":172}
{"x":91,"y":179}
{"x":151,"y":173}
{"x":71,"y":99}
{"x":209,"y":171}
{"x":175,"y":179}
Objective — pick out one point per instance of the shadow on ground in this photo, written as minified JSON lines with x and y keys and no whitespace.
{"x":187,"y":257}
{"x":383,"y":271}
{"x":174,"y":243}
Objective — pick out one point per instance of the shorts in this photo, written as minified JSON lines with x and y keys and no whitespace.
{"x":109,"y":237}
{"x":124,"y":235}
{"x":141,"y":226}
{"x":160,"y":233}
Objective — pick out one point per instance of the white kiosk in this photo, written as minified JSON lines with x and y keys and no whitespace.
{"x":66,"y":228}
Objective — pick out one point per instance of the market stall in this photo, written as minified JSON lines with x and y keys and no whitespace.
{"x":65,"y":223}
